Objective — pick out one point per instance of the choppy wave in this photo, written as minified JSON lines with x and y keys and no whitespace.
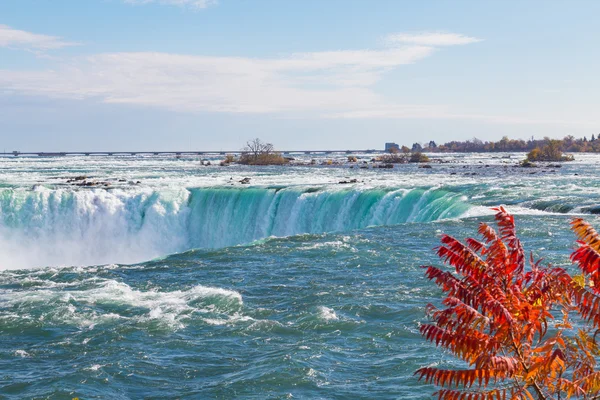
{"x":84,"y":227}
{"x":306,"y":316}
{"x":107,"y":301}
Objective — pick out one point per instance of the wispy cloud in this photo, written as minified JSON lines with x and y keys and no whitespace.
{"x":15,"y":38}
{"x":329,"y":84}
{"x":194,"y":4}
{"x":337,"y":80}
{"x":436,"y":39}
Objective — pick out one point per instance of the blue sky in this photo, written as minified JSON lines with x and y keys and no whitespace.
{"x":211,"y":74}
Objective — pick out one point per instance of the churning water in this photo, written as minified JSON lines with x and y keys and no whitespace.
{"x":191,"y":285}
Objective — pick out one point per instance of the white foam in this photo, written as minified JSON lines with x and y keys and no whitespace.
{"x":95,"y":367}
{"x":22,"y":353}
{"x":168,"y":309}
{"x":326,"y":314}
{"x":480,"y":211}
{"x":336,"y":244}
{"x":66,"y":227}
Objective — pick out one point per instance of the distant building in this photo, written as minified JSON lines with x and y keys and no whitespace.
{"x":390,"y":146}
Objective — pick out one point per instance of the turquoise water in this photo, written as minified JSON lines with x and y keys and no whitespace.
{"x":296,"y":286}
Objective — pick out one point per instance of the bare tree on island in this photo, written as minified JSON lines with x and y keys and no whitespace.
{"x":257,"y":152}
{"x":257,"y":147}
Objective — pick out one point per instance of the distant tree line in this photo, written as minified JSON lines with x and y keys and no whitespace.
{"x":567,"y":144}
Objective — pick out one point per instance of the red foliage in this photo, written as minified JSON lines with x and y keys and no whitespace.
{"x":499,"y":318}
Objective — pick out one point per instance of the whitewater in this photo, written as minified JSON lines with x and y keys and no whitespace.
{"x":170,"y":278}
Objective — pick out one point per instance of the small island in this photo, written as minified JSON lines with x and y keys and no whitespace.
{"x":551,"y":151}
{"x":257,"y":152}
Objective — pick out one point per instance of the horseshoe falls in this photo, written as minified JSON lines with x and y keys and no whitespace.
{"x":98,"y":226}
{"x":164,"y":278}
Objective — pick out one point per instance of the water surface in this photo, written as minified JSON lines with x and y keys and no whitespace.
{"x":191,"y":285}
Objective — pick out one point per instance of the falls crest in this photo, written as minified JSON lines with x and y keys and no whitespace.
{"x":61,"y":226}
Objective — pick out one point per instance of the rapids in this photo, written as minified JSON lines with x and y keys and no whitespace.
{"x":191,"y":285}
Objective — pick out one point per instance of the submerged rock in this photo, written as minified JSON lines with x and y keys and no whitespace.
{"x":527,"y":164}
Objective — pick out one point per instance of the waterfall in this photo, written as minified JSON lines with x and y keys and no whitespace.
{"x":83,"y":227}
